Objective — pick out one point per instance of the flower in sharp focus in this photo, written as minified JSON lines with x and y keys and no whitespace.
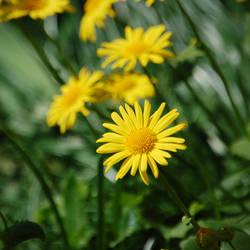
{"x":128,"y":87}
{"x":149,"y":2}
{"x":95,"y":12}
{"x":75,"y":94}
{"x":140,"y":139}
{"x":137,"y":45}
{"x":33,"y":8}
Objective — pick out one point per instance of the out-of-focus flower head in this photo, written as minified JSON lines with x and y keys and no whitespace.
{"x":140,"y":139}
{"x":34,"y":8}
{"x":128,"y":87}
{"x":138,"y":45}
{"x":75,"y":94}
{"x":95,"y":12}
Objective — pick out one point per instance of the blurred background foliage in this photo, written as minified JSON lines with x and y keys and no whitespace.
{"x":212,"y":176}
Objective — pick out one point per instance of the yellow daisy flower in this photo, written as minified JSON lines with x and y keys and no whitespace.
{"x":149,"y":2}
{"x":138,"y":45}
{"x":75,"y":94}
{"x":34,"y":8}
{"x":128,"y":87}
{"x":140,"y":139}
{"x":95,"y":12}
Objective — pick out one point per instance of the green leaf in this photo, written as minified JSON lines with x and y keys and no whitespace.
{"x":241,"y":148}
{"x":189,"y":244}
{"x":20,"y":232}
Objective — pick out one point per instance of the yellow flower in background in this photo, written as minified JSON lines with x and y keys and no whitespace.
{"x":137,"y":45}
{"x":149,"y":2}
{"x":75,"y":94}
{"x":140,"y":139}
{"x":34,"y":8}
{"x":128,"y":87}
{"x":95,"y":12}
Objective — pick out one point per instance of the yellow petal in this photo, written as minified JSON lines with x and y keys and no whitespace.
{"x":153,"y":166}
{"x":172,"y":130}
{"x":136,"y":160}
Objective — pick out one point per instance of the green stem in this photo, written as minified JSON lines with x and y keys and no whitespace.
{"x":4,"y":221}
{"x":231,"y":244}
{"x":41,"y":54}
{"x":64,"y":59}
{"x":34,"y":167}
{"x":214,"y":64}
{"x":204,"y":175}
{"x":177,"y":200}
{"x":101,"y":236}
{"x":94,"y":132}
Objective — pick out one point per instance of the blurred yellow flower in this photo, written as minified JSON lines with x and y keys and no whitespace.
{"x":149,"y":2}
{"x":128,"y":87}
{"x":138,"y":45}
{"x":95,"y":12}
{"x":75,"y":94}
{"x":33,"y":8}
{"x":140,"y":139}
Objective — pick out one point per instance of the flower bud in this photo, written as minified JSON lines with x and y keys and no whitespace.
{"x":207,"y":239}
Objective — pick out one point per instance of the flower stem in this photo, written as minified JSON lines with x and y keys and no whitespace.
{"x":34,"y":167}
{"x":101,"y":236}
{"x":177,"y":200}
{"x":41,"y":54}
{"x":214,"y":64}
{"x":4,"y":221}
{"x":64,"y":59}
{"x":210,"y":188}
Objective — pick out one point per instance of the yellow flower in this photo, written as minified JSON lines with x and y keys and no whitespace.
{"x":128,"y":87}
{"x":75,"y":94}
{"x":149,"y":2}
{"x":34,"y":8}
{"x":138,"y":45}
{"x":140,"y":139}
{"x":95,"y":14}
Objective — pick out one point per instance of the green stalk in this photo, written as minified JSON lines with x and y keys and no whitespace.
{"x":41,"y":54}
{"x":210,"y":188}
{"x":64,"y":59}
{"x":101,"y":233}
{"x":214,"y":64}
{"x":231,"y":245}
{"x":4,"y":221}
{"x":34,"y":168}
{"x":177,"y":200}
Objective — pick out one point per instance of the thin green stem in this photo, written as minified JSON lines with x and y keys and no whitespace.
{"x":214,"y":64}
{"x":204,"y":176}
{"x":94,"y":132}
{"x":4,"y":221}
{"x":64,"y":59}
{"x":177,"y":200}
{"x":231,"y":244}
{"x":101,"y":233}
{"x":34,"y":167}
{"x":41,"y":54}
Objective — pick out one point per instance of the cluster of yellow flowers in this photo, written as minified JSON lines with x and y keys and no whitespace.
{"x":138,"y":138}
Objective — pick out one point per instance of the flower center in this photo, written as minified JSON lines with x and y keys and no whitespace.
{"x":71,"y":96}
{"x":32,"y":5}
{"x":141,"y":141}
{"x":91,"y":4}
{"x":136,"y":48}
